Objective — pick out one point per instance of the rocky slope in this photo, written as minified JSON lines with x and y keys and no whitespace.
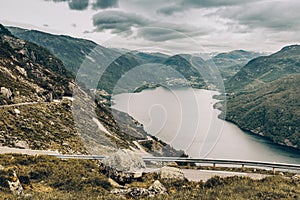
{"x":264,"y":97}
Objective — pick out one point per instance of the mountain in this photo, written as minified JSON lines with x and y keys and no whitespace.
{"x":76,"y":53}
{"x":266,"y":69}
{"x":37,"y":111}
{"x":264,"y":97}
{"x":72,"y":51}
{"x":230,"y":63}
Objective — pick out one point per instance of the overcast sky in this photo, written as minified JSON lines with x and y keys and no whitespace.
{"x":177,"y":25}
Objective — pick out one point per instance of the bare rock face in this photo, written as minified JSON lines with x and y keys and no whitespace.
{"x":123,"y":166}
{"x":171,"y":173}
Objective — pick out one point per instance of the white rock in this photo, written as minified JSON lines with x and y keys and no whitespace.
{"x":171,"y":173}
{"x":17,"y":111}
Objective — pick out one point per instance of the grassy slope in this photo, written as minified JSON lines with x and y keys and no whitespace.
{"x":50,"y":178}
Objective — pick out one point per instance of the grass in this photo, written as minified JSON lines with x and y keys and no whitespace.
{"x":45,"y":177}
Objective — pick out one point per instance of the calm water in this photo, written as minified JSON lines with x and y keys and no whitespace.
{"x":186,"y":120}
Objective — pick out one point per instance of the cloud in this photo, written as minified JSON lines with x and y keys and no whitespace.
{"x":118,"y":21}
{"x":183,"y":5}
{"x":272,"y":15}
{"x":103,"y":4}
{"x":151,"y":30}
{"x":74,"y":4}
{"x":78,"y":4}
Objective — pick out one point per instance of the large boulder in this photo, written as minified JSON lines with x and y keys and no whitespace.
{"x":123,"y":166}
{"x":171,"y":173}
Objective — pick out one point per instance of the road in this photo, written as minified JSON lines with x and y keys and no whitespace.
{"x":5,"y":150}
{"x":19,"y":104}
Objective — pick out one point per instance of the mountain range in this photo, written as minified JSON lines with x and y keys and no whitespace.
{"x":261,"y":91}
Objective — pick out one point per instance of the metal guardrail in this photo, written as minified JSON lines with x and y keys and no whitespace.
{"x":214,"y":162}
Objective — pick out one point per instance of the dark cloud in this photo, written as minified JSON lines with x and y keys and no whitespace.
{"x":103,"y":4}
{"x":118,"y":21}
{"x":74,"y":4}
{"x":78,"y":4}
{"x":276,"y":16}
{"x":183,"y":5}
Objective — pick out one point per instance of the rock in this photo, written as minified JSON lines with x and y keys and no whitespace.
{"x":157,"y":188}
{"x":21,"y":144}
{"x":171,"y":173}
{"x":132,"y":192}
{"x":114,"y":183}
{"x":15,"y":185}
{"x":21,"y":71}
{"x":17,"y":111}
{"x":136,"y":193}
{"x":123,"y":166}
{"x":6,"y":92}
{"x":172,"y":164}
{"x":281,"y":173}
{"x":125,"y":160}
{"x":1,"y":167}
{"x":296,"y":177}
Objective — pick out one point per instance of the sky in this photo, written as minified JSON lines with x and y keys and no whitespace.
{"x":186,"y":26}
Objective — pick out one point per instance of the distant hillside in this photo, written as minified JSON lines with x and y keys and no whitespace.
{"x":73,"y":51}
{"x":266,"y":69}
{"x":264,"y":97}
{"x":231,"y":62}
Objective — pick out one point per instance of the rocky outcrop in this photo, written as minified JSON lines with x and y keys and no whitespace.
{"x":155,"y":189}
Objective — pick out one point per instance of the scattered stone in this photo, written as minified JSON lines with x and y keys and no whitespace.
{"x":1,"y":167}
{"x":17,"y":111}
{"x":15,"y":185}
{"x":136,"y":193}
{"x":281,"y":173}
{"x":157,"y":188}
{"x":21,"y":144}
{"x":172,"y":164}
{"x":296,"y":177}
{"x":171,"y":173}
{"x":21,"y":71}
{"x":114,"y":183}
{"x":6,"y":92}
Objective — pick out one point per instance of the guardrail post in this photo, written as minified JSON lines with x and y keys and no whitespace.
{"x":214,"y":165}
{"x":274,"y":171}
{"x":243,"y":167}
